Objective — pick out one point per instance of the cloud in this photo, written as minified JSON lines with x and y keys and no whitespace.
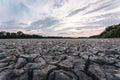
{"x":44,"y":23}
{"x":59,"y":17}
{"x":77,"y":11}
{"x":12,"y":24}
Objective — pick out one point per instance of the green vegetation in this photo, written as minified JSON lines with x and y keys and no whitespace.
{"x":110,"y":32}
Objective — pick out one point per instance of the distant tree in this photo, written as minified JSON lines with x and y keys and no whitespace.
{"x":8,"y":34}
{"x":20,"y":33}
{"x":2,"y":33}
{"x":111,"y":32}
{"x":13,"y":35}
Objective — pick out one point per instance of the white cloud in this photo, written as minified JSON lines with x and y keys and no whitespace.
{"x":71,"y":16}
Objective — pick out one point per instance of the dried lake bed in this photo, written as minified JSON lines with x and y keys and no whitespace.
{"x":59,"y":59}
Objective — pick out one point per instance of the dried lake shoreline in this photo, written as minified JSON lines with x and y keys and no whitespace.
{"x":60,"y":59}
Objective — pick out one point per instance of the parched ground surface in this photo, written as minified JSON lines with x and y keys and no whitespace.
{"x":60,"y":59}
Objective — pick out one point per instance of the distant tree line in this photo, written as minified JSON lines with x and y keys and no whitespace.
{"x":110,"y":32}
{"x":21,"y":35}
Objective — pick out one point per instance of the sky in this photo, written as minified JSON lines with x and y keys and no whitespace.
{"x":68,"y":18}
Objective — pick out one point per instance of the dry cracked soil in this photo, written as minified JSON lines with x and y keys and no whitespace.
{"x":60,"y":59}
